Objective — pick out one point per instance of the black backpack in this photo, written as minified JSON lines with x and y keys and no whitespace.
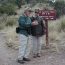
{"x":18,"y":29}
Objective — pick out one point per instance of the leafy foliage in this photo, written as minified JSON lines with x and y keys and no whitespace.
{"x":7,"y":8}
{"x":59,"y":6}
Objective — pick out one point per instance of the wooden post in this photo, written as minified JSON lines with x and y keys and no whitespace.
{"x":47,"y":42}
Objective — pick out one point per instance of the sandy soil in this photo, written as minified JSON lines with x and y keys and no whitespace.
{"x":8,"y":56}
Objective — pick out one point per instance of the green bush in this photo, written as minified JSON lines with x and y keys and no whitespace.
{"x":12,"y":1}
{"x":8,"y":9}
{"x":59,"y":6}
{"x":11,"y":22}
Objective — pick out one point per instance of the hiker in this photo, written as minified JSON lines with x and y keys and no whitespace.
{"x":37,"y":32}
{"x":24,"y":32}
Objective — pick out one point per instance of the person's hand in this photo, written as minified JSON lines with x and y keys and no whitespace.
{"x":35,"y":23}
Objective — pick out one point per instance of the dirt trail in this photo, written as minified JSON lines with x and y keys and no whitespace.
{"x":8,"y":56}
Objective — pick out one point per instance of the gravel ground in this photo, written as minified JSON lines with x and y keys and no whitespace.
{"x":8,"y":56}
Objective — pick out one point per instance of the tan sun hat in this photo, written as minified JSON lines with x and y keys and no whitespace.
{"x":28,"y":9}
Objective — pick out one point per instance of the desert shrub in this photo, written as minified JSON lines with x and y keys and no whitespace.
{"x":11,"y":22}
{"x":53,"y":35}
{"x":41,"y":1}
{"x":11,"y":37}
{"x":8,"y":21}
{"x":8,"y":9}
{"x":59,"y":6}
{"x":12,"y":1}
{"x":63,"y":25}
{"x":58,"y":25}
{"x":1,"y":27}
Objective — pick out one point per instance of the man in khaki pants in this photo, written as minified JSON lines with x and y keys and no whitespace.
{"x":24,"y":32}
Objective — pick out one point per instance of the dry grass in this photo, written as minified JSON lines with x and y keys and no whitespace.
{"x":54,"y":35}
{"x":56,"y":28}
{"x":11,"y":37}
{"x":8,"y":25}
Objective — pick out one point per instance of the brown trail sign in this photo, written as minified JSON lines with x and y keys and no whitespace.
{"x":47,"y":15}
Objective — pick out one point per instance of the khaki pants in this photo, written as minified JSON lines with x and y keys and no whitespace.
{"x":37,"y":42}
{"x":24,"y":48}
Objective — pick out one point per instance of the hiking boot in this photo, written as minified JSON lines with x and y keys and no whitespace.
{"x":35,"y":56}
{"x":38,"y":55}
{"x":21,"y":61}
{"x":26,"y":59}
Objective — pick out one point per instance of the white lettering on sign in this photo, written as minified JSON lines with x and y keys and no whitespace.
{"x":47,"y":14}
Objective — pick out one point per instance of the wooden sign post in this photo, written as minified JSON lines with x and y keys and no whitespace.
{"x":46,"y":24}
{"x":47,"y":15}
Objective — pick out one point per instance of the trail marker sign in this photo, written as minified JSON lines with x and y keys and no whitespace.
{"x":47,"y":14}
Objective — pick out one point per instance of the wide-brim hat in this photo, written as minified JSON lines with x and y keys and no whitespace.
{"x":28,"y":9}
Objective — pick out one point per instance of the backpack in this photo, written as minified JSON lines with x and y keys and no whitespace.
{"x":18,"y":29}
